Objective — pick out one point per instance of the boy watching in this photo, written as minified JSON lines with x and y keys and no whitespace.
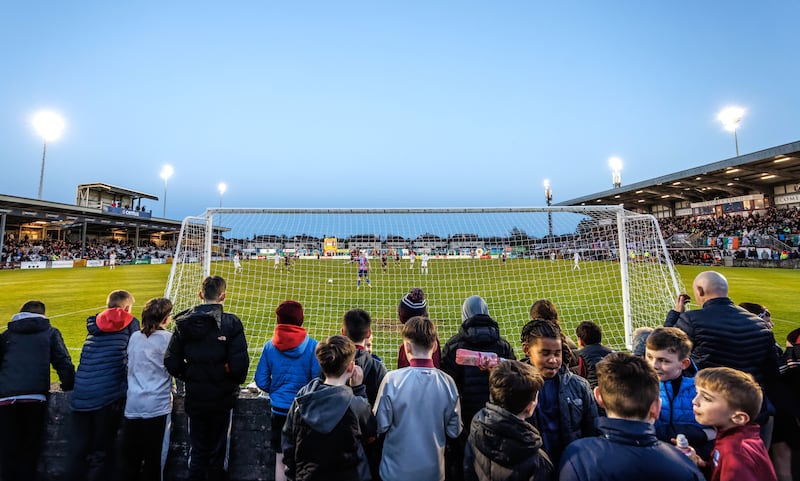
{"x":591,"y":351}
{"x":729,"y":400}
{"x":668,"y":350}
{"x":27,"y":349}
{"x":627,"y":388}
{"x":567,"y":410}
{"x":417,"y":408}
{"x":328,"y":425}
{"x":356,"y":326}
{"x":501,"y":444}
{"x":101,"y":384}
{"x":208,"y":352}
{"x":287,"y":364}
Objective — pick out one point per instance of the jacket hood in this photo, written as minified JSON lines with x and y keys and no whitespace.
{"x":197,"y":321}
{"x":510,"y":439}
{"x":28,"y":322}
{"x":473,"y":306}
{"x":481,"y":329}
{"x":626,"y":431}
{"x":322,"y":406}
{"x":113,"y":319}
{"x":288,"y":337}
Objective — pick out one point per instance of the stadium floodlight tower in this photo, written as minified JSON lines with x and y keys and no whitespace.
{"x":166,"y":173}
{"x":731,"y":117}
{"x":616,"y":168}
{"x":548,"y":197}
{"x":222,"y":188}
{"x":49,"y":126}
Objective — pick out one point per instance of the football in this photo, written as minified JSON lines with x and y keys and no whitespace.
{"x":330,"y":281}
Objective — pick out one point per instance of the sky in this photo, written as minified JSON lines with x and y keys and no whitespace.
{"x":392,"y":104}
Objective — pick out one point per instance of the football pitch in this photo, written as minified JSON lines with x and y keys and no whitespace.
{"x":73,"y":294}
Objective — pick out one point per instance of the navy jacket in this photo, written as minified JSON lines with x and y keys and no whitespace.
{"x":102,"y":375}
{"x":724,"y":334}
{"x":627,"y":450}
{"x":27,"y":349}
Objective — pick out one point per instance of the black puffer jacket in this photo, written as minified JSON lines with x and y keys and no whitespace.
{"x":478,"y":333}
{"x":503,"y":447}
{"x":374,"y":371}
{"x":208,"y":351}
{"x":724,"y":334}
{"x":27,"y":349}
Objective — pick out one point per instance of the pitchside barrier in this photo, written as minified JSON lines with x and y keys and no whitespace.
{"x":603,"y":264}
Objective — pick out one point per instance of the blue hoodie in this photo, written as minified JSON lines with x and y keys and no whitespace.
{"x":288,"y":362}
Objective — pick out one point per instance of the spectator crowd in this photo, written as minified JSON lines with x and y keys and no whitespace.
{"x":21,"y":250}
{"x":708,"y":395}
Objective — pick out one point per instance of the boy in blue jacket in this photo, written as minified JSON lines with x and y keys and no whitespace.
{"x":287,"y":363}
{"x":101,"y":384}
{"x":668,"y":350}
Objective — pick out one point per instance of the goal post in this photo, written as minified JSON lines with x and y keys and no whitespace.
{"x":598,"y":263}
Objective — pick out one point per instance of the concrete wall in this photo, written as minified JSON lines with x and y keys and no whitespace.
{"x":251,"y":458}
{"x":779,"y":264}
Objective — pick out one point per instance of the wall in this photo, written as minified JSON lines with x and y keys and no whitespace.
{"x":251,"y":458}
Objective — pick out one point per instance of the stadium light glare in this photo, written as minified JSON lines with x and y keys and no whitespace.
{"x":616,"y":166}
{"x":49,"y":126}
{"x":221,"y":187}
{"x":731,"y":117}
{"x":166,"y":173}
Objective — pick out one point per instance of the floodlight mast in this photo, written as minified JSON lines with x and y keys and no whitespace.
{"x":49,"y":126}
{"x":548,"y":197}
{"x":616,"y":171}
{"x":166,"y":173}
{"x":731,"y":117}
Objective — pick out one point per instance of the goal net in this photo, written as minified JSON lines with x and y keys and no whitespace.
{"x":602,"y":264}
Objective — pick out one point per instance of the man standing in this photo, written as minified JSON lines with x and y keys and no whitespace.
{"x":363,"y":269}
{"x":726,"y":335}
{"x":208,"y":352}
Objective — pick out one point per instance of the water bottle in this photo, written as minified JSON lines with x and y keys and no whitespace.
{"x":683,"y":444}
{"x":468,"y":357}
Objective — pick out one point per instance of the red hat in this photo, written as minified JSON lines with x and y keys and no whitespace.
{"x":290,"y":312}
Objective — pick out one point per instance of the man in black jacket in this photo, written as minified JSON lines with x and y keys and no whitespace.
{"x":208,"y":351}
{"x":725,"y":335}
{"x":27,"y":349}
{"x":478,"y":332}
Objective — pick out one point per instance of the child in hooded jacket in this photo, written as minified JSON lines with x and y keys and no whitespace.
{"x":287,"y":363}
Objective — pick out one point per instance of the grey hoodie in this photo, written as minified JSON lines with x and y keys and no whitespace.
{"x":325,"y":433}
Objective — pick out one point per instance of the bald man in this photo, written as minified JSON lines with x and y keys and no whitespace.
{"x":722,"y":333}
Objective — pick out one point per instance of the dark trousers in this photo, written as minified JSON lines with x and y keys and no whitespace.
{"x":209,"y":438}
{"x":22,"y":426}
{"x":94,"y":442}
{"x":144,"y":443}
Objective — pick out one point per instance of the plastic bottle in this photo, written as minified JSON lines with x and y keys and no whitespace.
{"x":683,"y":444}
{"x":468,"y":357}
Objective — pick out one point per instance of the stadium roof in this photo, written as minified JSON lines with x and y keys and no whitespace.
{"x":757,"y":172}
{"x":23,"y":210}
{"x":113,"y":189}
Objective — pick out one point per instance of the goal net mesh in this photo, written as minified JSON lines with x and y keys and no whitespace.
{"x":602,"y":264}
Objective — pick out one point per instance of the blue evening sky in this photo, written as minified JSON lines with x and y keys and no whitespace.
{"x":386,"y":104}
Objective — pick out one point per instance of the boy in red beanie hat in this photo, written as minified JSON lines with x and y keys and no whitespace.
{"x":287,"y":363}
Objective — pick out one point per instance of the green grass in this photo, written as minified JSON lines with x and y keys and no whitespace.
{"x":73,"y":294}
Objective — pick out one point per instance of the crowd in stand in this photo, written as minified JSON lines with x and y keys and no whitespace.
{"x":777,"y":222}
{"x":21,"y":250}
{"x":690,"y":403}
